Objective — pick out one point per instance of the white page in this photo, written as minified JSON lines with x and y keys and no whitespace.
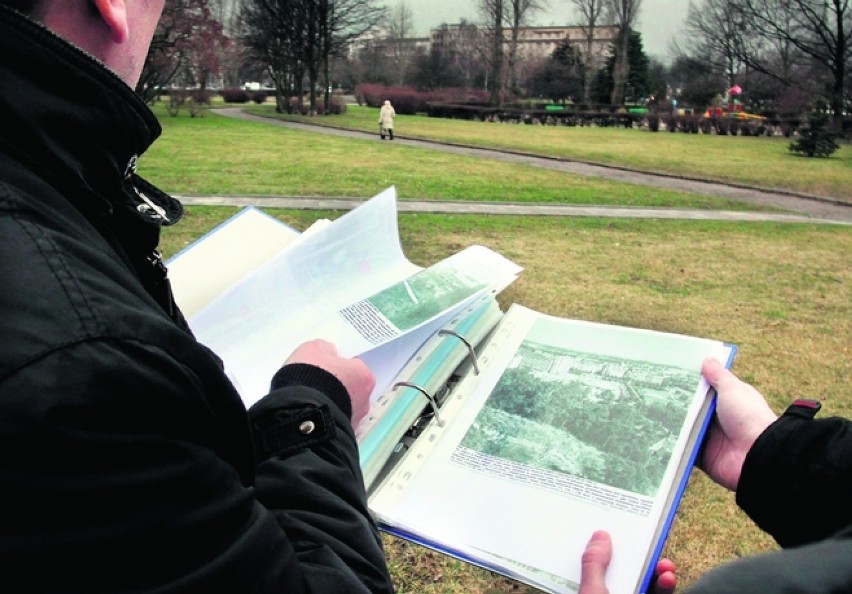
{"x":209,"y":266}
{"x":349,"y":283}
{"x":256,"y":324}
{"x":516,"y":510}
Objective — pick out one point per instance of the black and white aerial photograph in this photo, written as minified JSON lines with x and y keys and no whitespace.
{"x":606,"y":419}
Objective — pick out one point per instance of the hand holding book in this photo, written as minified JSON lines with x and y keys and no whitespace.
{"x":742,"y":414}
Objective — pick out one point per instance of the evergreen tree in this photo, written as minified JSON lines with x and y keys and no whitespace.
{"x":560,"y":77}
{"x":638,"y":80}
{"x":815,"y":139}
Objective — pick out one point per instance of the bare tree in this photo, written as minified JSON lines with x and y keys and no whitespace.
{"x":591,"y":12}
{"x":819,"y":29}
{"x":626,"y":13}
{"x":275,"y":32}
{"x":494,"y":13}
{"x":298,"y":38}
{"x":400,"y":27}
{"x":715,"y":32}
{"x":518,"y":15}
{"x":340,"y":22}
{"x":187,"y":45}
{"x":232,"y":57}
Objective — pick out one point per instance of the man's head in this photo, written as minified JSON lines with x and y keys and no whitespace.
{"x":116,"y":32}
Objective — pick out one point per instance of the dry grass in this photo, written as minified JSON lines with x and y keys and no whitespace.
{"x":783,"y":293}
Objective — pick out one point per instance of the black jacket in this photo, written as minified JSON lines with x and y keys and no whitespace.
{"x":796,"y":484}
{"x":128,"y":460}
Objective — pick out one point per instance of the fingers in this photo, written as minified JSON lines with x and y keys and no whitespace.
{"x":665,"y":577}
{"x":354,"y":374}
{"x":595,"y":561}
{"x":742,"y":414}
{"x":309,"y":351}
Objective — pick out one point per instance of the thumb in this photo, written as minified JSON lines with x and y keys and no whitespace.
{"x":715,"y":373}
{"x":596,"y":559}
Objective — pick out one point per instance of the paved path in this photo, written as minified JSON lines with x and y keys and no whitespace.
{"x":459,"y":207}
{"x":801,"y":208}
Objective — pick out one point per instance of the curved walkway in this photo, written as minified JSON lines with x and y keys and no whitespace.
{"x":801,"y":208}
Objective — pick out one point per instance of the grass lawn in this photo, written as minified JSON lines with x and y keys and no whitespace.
{"x":763,"y":162}
{"x":217,"y":155}
{"x":782,"y":293}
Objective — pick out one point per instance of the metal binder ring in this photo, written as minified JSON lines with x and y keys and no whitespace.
{"x":428,"y":396}
{"x":461,"y":337}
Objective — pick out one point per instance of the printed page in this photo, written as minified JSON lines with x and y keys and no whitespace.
{"x":256,"y":324}
{"x":571,"y":427}
{"x":349,"y":283}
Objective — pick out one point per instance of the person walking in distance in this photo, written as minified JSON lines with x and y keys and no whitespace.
{"x":386,"y":116}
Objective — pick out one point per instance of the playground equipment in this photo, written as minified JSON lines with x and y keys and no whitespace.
{"x":732,"y":107}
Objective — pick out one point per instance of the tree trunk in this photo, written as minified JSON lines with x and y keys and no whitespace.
{"x":621,"y":68}
{"x":327,"y":81}
{"x":588,"y":71}
{"x":497,"y":55}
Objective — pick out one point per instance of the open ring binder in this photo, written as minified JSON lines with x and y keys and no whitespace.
{"x":432,"y":401}
{"x":474,"y":361}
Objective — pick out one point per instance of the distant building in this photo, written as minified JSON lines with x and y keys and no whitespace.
{"x":380,"y":37}
{"x":533,"y":42}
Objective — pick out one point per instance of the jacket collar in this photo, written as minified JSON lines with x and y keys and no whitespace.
{"x":76,"y":123}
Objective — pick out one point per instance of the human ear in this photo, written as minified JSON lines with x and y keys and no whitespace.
{"x":114,"y":15}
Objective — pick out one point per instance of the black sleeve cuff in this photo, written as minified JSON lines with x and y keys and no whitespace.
{"x":796,"y":482}
{"x":310,"y":376}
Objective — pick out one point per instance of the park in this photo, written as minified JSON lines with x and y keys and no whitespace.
{"x":771,"y":275}
{"x":781,"y":291}
{"x":551,"y":202}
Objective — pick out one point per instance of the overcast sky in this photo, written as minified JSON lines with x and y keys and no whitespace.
{"x":659,"y":20}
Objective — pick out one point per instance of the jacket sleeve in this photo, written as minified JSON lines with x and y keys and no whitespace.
{"x":133,"y":471}
{"x":796,"y":483}
{"x":309,"y":475}
{"x":821,"y":567}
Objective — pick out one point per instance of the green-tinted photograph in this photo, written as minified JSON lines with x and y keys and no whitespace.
{"x":608,"y":420}
{"x":423,"y":296}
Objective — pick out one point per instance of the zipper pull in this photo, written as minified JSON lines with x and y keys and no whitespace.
{"x":155,"y":258}
{"x":163,"y":287}
{"x":149,"y":206}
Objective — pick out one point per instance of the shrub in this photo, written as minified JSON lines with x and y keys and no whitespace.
{"x":236,"y":95}
{"x":654,"y":122}
{"x":815,"y":139}
{"x":369,"y":94}
{"x":297,"y":106}
{"x":337,"y":105}
{"x":404,"y":101}
{"x":671,"y":122}
{"x":259,"y":97}
{"x":199,"y":101}
{"x":407,"y":100}
{"x":177,"y":99}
